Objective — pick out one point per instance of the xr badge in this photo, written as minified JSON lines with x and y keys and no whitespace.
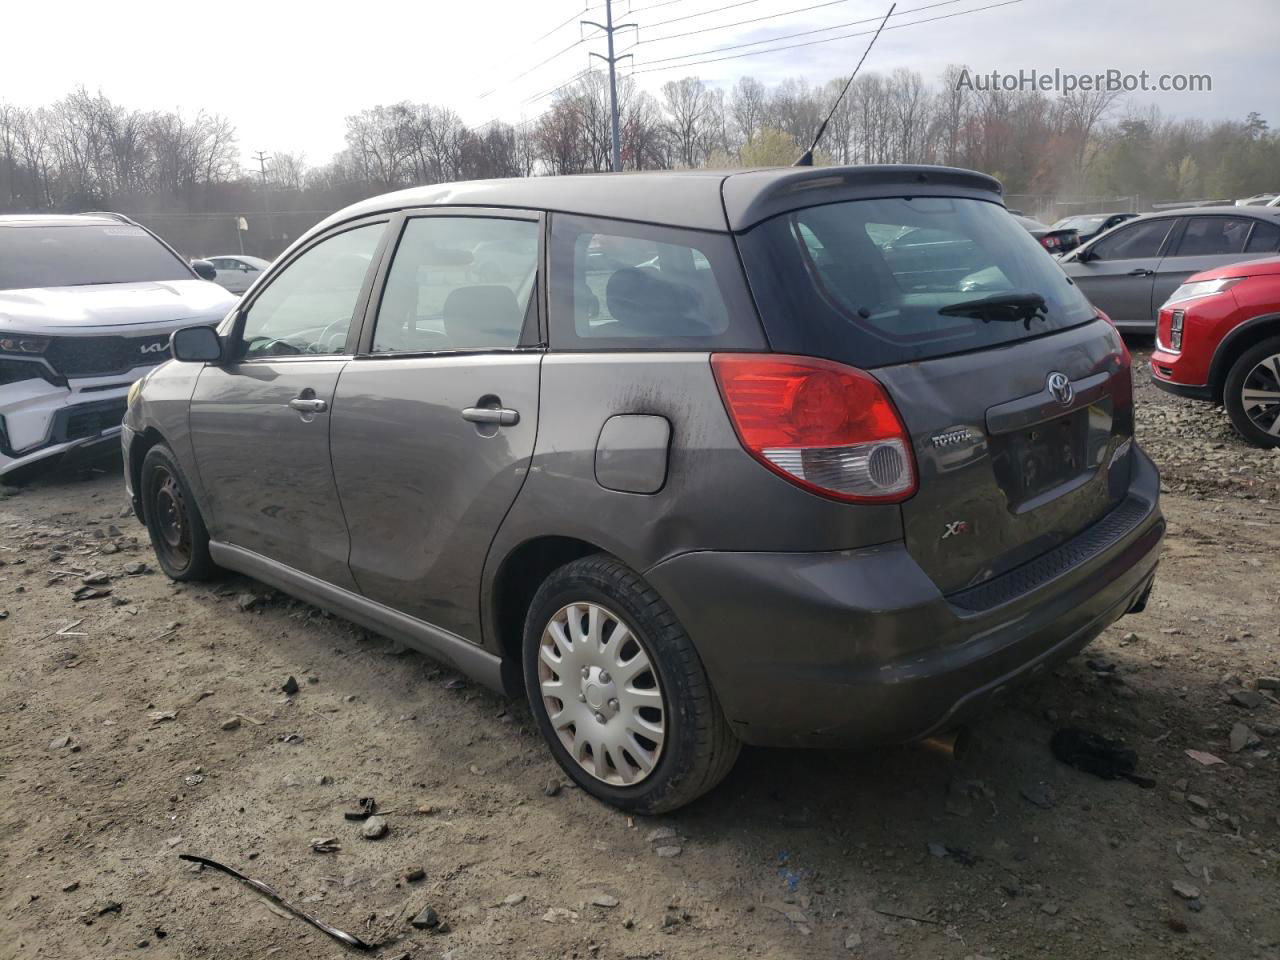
{"x":955,"y":528}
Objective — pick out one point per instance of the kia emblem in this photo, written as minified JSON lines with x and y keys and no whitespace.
{"x":1060,"y":388}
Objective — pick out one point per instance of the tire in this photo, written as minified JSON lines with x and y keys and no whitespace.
{"x":1257,"y":369}
{"x":178,"y":534}
{"x":697,"y":747}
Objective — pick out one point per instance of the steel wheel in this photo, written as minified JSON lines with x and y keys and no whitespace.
{"x":172,"y":525}
{"x":1260,"y":395}
{"x":601,"y":693}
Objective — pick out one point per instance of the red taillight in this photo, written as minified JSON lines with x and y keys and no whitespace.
{"x":829,"y":428}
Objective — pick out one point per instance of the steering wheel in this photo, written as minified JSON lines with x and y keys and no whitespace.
{"x":324,"y":343}
{"x":266,"y":346}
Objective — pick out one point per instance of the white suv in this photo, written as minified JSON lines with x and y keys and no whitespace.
{"x":87,"y":303}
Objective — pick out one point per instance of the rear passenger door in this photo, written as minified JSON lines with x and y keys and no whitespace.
{"x":434,"y":423}
{"x":1212,"y":241}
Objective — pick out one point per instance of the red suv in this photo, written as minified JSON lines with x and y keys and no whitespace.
{"x":1218,"y":339}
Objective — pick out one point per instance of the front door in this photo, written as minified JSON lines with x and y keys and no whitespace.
{"x":435,"y":418}
{"x":1120,"y":272}
{"x":260,"y":422}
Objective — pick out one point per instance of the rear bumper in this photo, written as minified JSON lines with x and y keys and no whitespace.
{"x":859,"y":647}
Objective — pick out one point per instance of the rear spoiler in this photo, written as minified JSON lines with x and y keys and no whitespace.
{"x":758,"y":195}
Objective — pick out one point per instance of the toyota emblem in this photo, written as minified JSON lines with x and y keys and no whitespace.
{"x":1060,"y":388}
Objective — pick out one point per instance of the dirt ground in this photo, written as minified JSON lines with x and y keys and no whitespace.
{"x":115,"y":758}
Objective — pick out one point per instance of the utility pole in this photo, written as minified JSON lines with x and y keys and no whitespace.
{"x":609,"y":30}
{"x":262,"y":158}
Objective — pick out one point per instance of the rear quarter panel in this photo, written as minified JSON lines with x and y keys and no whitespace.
{"x":715,"y":497}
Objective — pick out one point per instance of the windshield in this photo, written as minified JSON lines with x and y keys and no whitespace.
{"x":875,"y":282}
{"x":76,"y":255}
{"x":1078,"y":223}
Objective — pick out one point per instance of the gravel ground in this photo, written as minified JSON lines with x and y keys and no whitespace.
{"x":152,"y":722}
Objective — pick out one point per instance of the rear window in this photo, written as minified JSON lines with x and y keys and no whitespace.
{"x":73,"y":256}
{"x":875,"y":282}
{"x":618,"y":285}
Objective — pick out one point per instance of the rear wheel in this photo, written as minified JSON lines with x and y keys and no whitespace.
{"x":177,"y":530}
{"x":1252,"y":393}
{"x":619,"y":692}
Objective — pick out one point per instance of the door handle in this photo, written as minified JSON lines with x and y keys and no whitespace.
{"x":1141,"y":272}
{"x":308,"y":405}
{"x":502,"y":416}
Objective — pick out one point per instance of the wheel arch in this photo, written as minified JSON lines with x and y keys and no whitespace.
{"x":1242,"y":337}
{"x":516,"y":580}
{"x":138,"y":447}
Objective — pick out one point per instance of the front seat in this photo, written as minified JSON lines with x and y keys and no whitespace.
{"x":480,"y":316}
{"x":647,"y":305}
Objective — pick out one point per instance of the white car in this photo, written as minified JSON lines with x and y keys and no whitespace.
{"x":237,"y":271}
{"x":87,"y":303}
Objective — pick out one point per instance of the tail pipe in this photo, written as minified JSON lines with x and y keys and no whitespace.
{"x":953,"y":744}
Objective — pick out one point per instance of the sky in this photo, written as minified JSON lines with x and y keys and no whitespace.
{"x":286,"y":73}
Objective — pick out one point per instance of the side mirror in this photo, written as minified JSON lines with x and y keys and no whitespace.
{"x":195,"y":345}
{"x":204,"y":269}
{"x":1082,"y":254}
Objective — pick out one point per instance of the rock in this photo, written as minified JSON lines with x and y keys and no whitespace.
{"x":1267,"y":729}
{"x":556,"y":914}
{"x":1242,"y":736}
{"x":1200,"y":823}
{"x":513,"y":899}
{"x":323,"y":780}
{"x":1186,"y":890}
{"x":194,"y":780}
{"x":1038,"y":794}
{"x":1129,"y":638}
{"x":135,"y":569}
{"x":1269,"y":683}
{"x":552,"y":789}
{"x":59,"y":742}
{"x":604,"y":900}
{"x":110,"y":548}
{"x":231,"y":723}
{"x":246,"y":601}
{"x":1198,"y":803}
{"x":1248,"y":699}
{"x":937,"y":849}
{"x":475,"y":771}
{"x":662,"y":833}
{"x":669,"y":850}
{"x":414,"y":874}
{"x":375,"y":828}
{"x":427,"y":919}
{"x":71,"y":887}
{"x":104,"y":907}
{"x":96,"y":579}
{"x":290,"y":686}
{"x":853,"y":941}
{"x":1051,"y":908}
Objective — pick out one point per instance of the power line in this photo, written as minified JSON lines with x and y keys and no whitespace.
{"x":565,"y":23}
{"x":792,"y":36}
{"x":641,"y":67}
{"x":739,"y":23}
{"x":652,"y":6}
{"x":703,"y":13}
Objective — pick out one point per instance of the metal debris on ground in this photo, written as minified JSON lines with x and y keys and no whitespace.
{"x":340,"y":935}
{"x":368,"y":806}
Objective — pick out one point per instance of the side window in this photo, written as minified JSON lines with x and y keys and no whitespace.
{"x":308,"y":306}
{"x":458,"y":283}
{"x":1209,"y":236}
{"x":1132,"y":243}
{"x":1264,"y":239}
{"x":220,"y":264}
{"x":627,"y":285}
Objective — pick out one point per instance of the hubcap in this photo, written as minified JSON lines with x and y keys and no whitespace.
{"x":1260,"y":395}
{"x":601,"y":693}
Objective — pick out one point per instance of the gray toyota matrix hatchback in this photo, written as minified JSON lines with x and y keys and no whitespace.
{"x":805,"y":456}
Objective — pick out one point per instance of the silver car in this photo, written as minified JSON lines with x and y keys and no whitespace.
{"x":1128,"y":272}
{"x":237,"y":272}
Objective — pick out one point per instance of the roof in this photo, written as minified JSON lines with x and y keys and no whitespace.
{"x":691,"y":199}
{"x":56,"y":219}
{"x":1222,"y":210}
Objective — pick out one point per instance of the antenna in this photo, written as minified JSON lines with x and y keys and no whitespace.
{"x":806,"y":158}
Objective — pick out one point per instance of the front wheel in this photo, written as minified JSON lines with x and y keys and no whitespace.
{"x":177,"y":530}
{"x":619,"y":691}
{"x":1252,"y":393}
